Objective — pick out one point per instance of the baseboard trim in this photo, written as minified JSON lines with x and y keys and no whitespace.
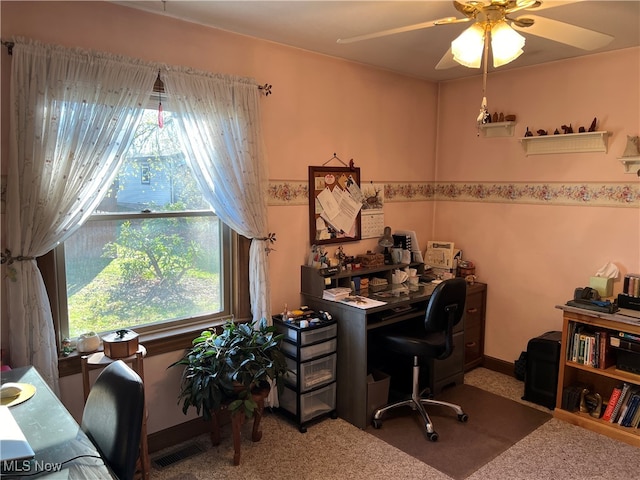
{"x":500,"y":366}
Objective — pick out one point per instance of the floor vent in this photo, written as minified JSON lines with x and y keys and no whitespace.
{"x":177,"y":456}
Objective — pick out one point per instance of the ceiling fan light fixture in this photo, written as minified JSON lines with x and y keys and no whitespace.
{"x":506,"y":44}
{"x":467,"y":48}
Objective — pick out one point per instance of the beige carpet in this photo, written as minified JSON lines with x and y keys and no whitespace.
{"x":495,"y":424}
{"x":335,"y":449}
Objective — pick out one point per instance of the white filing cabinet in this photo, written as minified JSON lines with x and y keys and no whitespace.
{"x":310,"y":384}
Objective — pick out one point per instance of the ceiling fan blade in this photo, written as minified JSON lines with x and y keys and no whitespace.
{"x":447,"y":61}
{"x":565,"y":33}
{"x":406,"y":28}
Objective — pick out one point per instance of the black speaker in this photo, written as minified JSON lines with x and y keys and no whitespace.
{"x":541,"y":376}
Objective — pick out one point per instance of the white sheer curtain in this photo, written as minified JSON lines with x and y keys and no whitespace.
{"x":72,"y":114}
{"x":220,"y":122}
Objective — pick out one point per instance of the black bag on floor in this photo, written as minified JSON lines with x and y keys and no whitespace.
{"x":520,"y":366}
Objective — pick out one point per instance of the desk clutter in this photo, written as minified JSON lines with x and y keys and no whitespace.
{"x":401,"y":251}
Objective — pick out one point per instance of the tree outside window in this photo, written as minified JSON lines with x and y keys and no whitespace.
{"x":153,"y":251}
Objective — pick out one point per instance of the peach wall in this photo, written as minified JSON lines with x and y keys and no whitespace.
{"x":533,"y":256}
{"x":319,"y":106}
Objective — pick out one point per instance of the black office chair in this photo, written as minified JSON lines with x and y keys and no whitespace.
{"x":431,"y":340}
{"x":112,"y":417}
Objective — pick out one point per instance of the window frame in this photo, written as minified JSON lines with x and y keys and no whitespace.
{"x":227,"y":273}
{"x":164,"y":338}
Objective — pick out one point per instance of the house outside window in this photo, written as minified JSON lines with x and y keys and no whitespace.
{"x":153,"y":254}
{"x":145,"y":174}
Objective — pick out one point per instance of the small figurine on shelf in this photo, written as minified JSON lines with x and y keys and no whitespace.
{"x":567,"y":129}
{"x":592,"y":128}
{"x":556,"y":132}
{"x":581,"y":130}
{"x":542,"y":132}
{"x":528,"y":133}
{"x":66,"y":347}
{"x":341,"y":256}
{"x":318,"y":257}
{"x":633,"y":146}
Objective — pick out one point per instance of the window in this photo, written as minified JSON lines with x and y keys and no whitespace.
{"x":153,"y":254}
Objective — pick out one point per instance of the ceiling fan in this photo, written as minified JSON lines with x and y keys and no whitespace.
{"x":492,"y":21}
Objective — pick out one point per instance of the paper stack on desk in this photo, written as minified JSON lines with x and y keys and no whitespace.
{"x":336,"y":294}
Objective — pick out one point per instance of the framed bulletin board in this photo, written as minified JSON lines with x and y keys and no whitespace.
{"x":335,"y":201}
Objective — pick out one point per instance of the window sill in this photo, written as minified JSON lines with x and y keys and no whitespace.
{"x":156,"y":343}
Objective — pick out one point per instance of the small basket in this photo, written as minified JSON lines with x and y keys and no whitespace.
{"x":120,"y":344}
{"x":370,"y":260}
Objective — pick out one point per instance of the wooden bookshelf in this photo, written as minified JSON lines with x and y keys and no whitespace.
{"x":601,"y":380}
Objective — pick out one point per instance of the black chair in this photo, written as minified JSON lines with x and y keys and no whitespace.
{"x":112,"y":417}
{"x":431,"y":340}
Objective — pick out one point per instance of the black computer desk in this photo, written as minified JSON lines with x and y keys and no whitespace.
{"x":354,"y":326}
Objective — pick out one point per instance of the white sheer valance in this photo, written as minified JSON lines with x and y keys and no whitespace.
{"x":72,"y":114}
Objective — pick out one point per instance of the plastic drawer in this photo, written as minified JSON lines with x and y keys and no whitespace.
{"x":307,"y":336}
{"x":312,"y":404}
{"x":311,"y":351}
{"x":312,"y":374}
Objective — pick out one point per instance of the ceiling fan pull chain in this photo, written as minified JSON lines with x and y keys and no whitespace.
{"x":484,"y":116}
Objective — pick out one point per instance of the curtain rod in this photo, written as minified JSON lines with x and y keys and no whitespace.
{"x":9,"y":46}
{"x":266,"y":88}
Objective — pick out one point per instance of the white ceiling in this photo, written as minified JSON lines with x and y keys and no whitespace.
{"x":316,"y":25}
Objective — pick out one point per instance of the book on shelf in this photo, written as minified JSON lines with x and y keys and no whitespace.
{"x":574,"y":338}
{"x":629,"y":336}
{"x":581,"y":344}
{"x":613,"y":400}
{"x":624,"y":406}
{"x":630,"y":410}
{"x":607,"y":356}
{"x":591,"y":348}
{"x":621,"y":401}
{"x":618,"y":342}
{"x":635,"y":421}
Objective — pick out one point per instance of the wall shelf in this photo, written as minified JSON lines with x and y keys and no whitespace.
{"x":498,"y":129}
{"x":566,"y":143}
{"x":631,"y":164}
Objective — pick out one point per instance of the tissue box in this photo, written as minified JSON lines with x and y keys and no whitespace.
{"x":603,"y":285}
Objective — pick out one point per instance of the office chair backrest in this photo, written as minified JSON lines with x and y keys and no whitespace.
{"x":112,"y":417}
{"x":445,"y":310}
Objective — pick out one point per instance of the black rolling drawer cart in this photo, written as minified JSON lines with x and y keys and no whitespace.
{"x":310,"y":385}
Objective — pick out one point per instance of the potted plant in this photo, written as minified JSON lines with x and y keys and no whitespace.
{"x":226,"y":369}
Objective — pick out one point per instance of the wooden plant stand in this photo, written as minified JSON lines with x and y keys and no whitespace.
{"x":237,"y":420}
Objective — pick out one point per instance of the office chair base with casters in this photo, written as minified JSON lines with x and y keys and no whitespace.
{"x":416,"y":402}
{"x":431,"y":340}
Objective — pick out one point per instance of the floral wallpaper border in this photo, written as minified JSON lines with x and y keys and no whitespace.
{"x":592,"y":194}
